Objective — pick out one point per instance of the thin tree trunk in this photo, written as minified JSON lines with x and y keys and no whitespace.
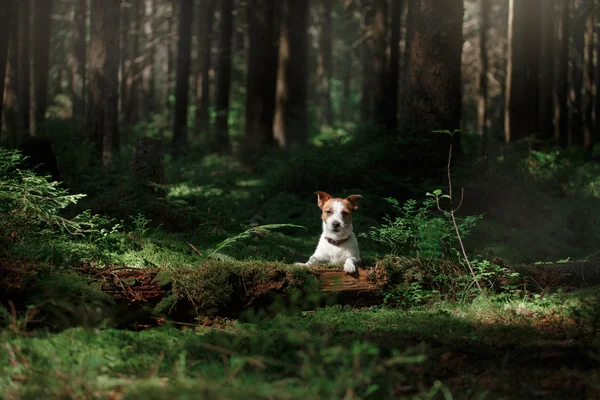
{"x":127,"y":10}
{"x":325,"y":60}
{"x":523,"y":61}
{"x":482,"y":101}
{"x":562,"y":75}
{"x":589,"y":138}
{"x":262,"y":73}
{"x":148,"y":98}
{"x":224,"y":76}
{"x":547,"y":81}
{"x":182,"y":84}
{"x":346,"y":113}
{"x":42,"y":17}
{"x":380,"y":70}
{"x":576,"y":94}
{"x":281,"y":88}
{"x":434,"y":72}
{"x":391,"y":88}
{"x":24,"y":83}
{"x":206,"y":13}
{"x":368,"y":82}
{"x":79,"y":57}
{"x":9,"y":107}
{"x":296,"y":113}
{"x":103,"y":110}
{"x":171,"y":46}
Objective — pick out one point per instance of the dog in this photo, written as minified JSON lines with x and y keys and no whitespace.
{"x":338,"y":244}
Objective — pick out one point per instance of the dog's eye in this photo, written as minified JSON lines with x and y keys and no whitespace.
{"x":328,"y":212}
{"x":345,"y":213}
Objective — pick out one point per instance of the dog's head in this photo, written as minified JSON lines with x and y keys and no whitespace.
{"x":337,"y":212}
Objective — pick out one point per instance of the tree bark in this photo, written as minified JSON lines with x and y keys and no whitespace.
{"x":325,"y":60}
{"x":523,"y":64}
{"x":148,"y":89}
{"x":482,"y":100}
{"x":577,"y":62}
{"x":380,"y":64}
{"x":291,"y":118}
{"x":434,"y":73}
{"x":224,"y":76}
{"x":78,"y":57}
{"x":24,"y":66}
{"x":206,"y":14}
{"x":390,"y":98}
{"x":182,"y":83}
{"x":368,"y":82}
{"x":262,"y":74}
{"x":9,"y":64}
{"x":562,"y":75}
{"x":589,"y":138}
{"x":103,"y":110}
{"x":42,"y":27}
{"x":547,"y":81}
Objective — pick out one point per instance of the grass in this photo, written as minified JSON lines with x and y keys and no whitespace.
{"x":518,"y":345}
{"x":332,"y":352}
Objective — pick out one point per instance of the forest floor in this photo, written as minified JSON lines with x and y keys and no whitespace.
{"x":430,"y":335}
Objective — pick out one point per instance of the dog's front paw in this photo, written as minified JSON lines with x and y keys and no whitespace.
{"x":349,"y":267}
{"x":299,"y":264}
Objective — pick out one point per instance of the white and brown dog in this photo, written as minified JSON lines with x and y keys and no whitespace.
{"x":338,"y":244}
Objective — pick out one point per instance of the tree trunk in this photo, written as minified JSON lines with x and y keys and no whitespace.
{"x":547,"y":81}
{"x":224,"y":76}
{"x":103,"y":110}
{"x":42,"y":17}
{"x":589,"y":138}
{"x":262,"y":73}
{"x":380,"y":67}
{"x":346,"y":112}
{"x":434,"y":72}
{"x":325,"y":61}
{"x":391,"y":87}
{"x":78,"y":57}
{"x":24,"y":83}
{"x":523,"y":62}
{"x":368,"y":82}
{"x":562,"y":75}
{"x":182,"y":83}
{"x":148,"y":60}
{"x":9,"y":63}
{"x":482,"y":100}
{"x":576,"y":92}
{"x":206,"y":14}
{"x":291,"y":119}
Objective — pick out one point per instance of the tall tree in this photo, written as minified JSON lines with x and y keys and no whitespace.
{"x":576,"y":110}
{"x":368,"y":81}
{"x":262,"y":72}
{"x":325,"y":60}
{"x":523,"y":65}
{"x":482,"y":101}
{"x":390,"y":98}
{"x":182,"y":82}
{"x":589,"y":138}
{"x":78,"y":56}
{"x":291,"y":116}
{"x":434,"y":71}
{"x":148,"y":89}
{"x":548,"y":53}
{"x":103,"y":109}
{"x":224,"y":76}
{"x":24,"y":78}
{"x":9,"y":65}
{"x":562,"y":74}
{"x":206,"y":11}
{"x":380,"y":61}
{"x":42,"y":17}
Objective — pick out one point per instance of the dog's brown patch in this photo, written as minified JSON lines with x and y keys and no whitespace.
{"x":326,"y":203}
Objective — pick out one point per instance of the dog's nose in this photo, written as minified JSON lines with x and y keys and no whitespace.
{"x":335,"y":224}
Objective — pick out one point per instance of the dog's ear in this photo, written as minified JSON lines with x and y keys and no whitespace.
{"x":323,"y":197}
{"x":353,"y":200}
